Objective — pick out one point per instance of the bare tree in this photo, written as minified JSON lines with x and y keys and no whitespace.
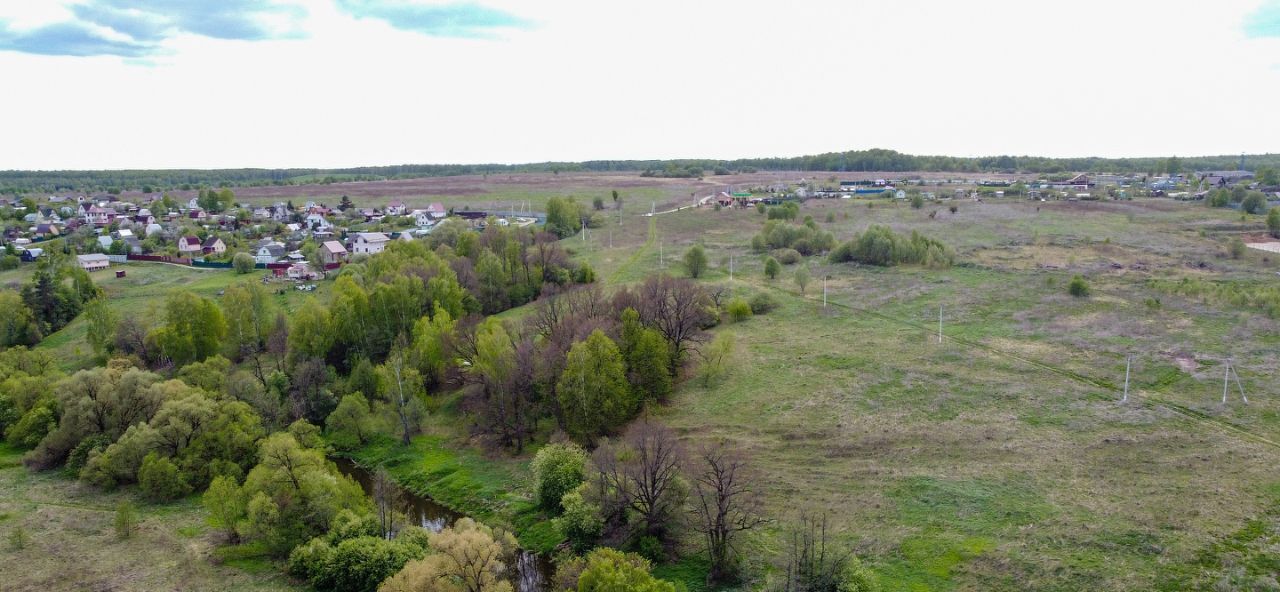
{"x":812,"y":566}
{"x":387,"y":501}
{"x":642,"y":475}
{"x":678,"y":308}
{"x":725,"y":504}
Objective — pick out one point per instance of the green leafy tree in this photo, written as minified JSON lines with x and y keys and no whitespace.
{"x":610,"y":570}
{"x":160,"y":479}
{"x":557,"y":470}
{"x":193,"y":330}
{"x":771,"y":268}
{"x":467,"y":557}
{"x":101,"y":330}
{"x":593,"y":390}
{"x":802,"y":278}
{"x":1273,"y":222}
{"x":224,"y":504}
{"x":243,"y":263}
{"x":351,"y":424}
{"x":695,"y":261}
{"x":17,"y":325}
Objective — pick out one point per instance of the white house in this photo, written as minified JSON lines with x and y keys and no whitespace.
{"x":317,"y":222}
{"x":269,"y":253}
{"x":437,"y":210}
{"x":423,"y":218}
{"x":93,"y":262}
{"x":369,"y":243}
{"x":395,"y":208}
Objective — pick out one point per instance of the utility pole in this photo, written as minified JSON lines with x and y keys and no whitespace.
{"x":731,"y":268}
{"x":939,"y":323}
{"x":824,"y":291}
{"x":1226,"y":374}
{"x":1127,"y":362}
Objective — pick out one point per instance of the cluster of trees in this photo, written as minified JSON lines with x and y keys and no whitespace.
{"x":17,"y":182}
{"x":1252,"y":202}
{"x":215,"y":201}
{"x":646,"y":491}
{"x":55,"y":295}
{"x":585,"y":359}
{"x":805,"y":238}
{"x":566,"y":217}
{"x":880,"y":245}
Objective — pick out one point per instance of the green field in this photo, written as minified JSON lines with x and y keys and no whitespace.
{"x":72,"y":542}
{"x":998,"y":459}
{"x":141,"y":293}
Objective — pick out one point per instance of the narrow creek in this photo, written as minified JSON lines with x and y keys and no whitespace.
{"x":532,"y":573}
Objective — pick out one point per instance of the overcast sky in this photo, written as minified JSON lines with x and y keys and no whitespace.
{"x":332,"y":83}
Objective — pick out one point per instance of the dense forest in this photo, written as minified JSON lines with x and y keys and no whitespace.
{"x":17,"y":182}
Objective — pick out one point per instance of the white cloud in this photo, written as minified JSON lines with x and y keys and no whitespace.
{"x":592,"y":80}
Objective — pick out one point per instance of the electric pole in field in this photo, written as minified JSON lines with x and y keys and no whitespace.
{"x":1227,"y":372}
{"x":824,"y":290}
{"x":1127,"y":363}
{"x":939,"y":323}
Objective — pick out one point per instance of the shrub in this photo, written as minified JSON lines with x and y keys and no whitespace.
{"x":126,"y":520}
{"x":881,"y":246}
{"x":580,"y":523}
{"x":1255,"y":203}
{"x":695,"y":261}
{"x":32,"y":428}
{"x":917,"y":201}
{"x":8,"y":262}
{"x":362,"y":563}
{"x":557,"y":470}
{"x":807,"y":240}
{"x":831,"y":217}
{"x":243,"y":263}
{"x":18,"y":538}
{"x":739,"y":310}
{"x":160,"y":479}
{"x":771,"y":268}
{"x":608,"y":569}
{"x":1236,"y":248}
{"x":1078,"y":287}
{"x":787,"y":256}
{"x":1273,"y":222}
{"x":760,"y":207}
{"x":763,"y":303}
{"x":310,"y":562}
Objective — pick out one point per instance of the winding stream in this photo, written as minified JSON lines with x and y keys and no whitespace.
{"x":533,"y":572}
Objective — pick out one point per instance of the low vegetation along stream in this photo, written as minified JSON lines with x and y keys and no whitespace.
{"x":533,"y":571}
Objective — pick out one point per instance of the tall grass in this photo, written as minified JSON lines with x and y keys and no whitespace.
{"x":1264,"y":298}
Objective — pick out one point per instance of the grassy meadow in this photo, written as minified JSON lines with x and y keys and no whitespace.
{"x":998,"y":459}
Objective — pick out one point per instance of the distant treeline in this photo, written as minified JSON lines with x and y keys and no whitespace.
{"x":858,"y":160}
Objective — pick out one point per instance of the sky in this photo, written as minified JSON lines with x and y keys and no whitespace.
{"x":93,"y":84}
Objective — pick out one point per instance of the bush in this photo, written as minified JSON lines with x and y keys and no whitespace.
{"x":243,"y":263}
{"x":362,"y":563}
{"x":763,"y":303}
{"x":580,"y":523}
{"x":126,"y":520}
{"x":695,"y":261}
{"x":310,"y":562}
{"x":739,"y":310}
{"x":1078,"y":287}
{"x":771,"y":268}
{"x":1273,"y":222}
{"x":32,"y":428}
{"x":807,"y":240}
{"x":787,"y":256}
{"x":881,"y":246}
{"x":917,"y":201}
{"x":608,"y":570}
{"x":160,"y":479}
{"x":1255,"y":203}
{"x":1236,"y":248}
{"x":557,"y":470}
{"x":8,"y":262}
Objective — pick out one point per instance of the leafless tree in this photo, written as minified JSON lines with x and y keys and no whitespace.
{"x":725,"y":504}
{"x":642,"y":475}
{"x":812,"y":566}
{"x":387,"y":500}
{"x":678,"y":308}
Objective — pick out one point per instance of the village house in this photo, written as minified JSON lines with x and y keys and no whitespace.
{"x":437,"y":210}
{"x":316,"y":221}
{"x":395,"y":208}
{"x":213,"y":246}
{"x":93,"y":262}
{"x":332,"y":252}
{"x":188,"y":245}
{"x":369,"y":243}
{"x":269,"y":253}
{"x":423,"y":218}
{"x":99,"y":216}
